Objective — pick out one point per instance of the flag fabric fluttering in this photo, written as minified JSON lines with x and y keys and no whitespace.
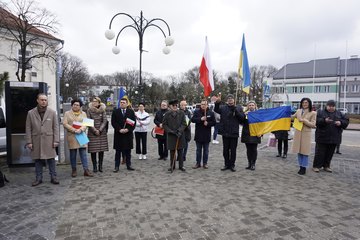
{"x":122,"y":94}
{"x":205,"y":70}
{"x":268,"y":120}
{"x":244,"y":70}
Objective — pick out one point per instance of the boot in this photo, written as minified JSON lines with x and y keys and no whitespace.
{"x":74,"y":173}
{"x":302,"y":171}
{"x":249,"y":166}
{"x":100,"y":165}
{"x":94,"y":165}
{"x":252,"y":167}
{"x":87,"y":173}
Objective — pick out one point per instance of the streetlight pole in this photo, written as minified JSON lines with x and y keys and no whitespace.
{"x":140,"y":24}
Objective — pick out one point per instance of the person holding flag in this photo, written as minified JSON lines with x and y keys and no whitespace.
{"x":123,"y":121}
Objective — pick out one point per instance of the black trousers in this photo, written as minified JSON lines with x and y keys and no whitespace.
{"x":141,"y":139}
{"x":162,"y":148}
{"x":251,"y":152}
{"x":323,"y":155}
{"x":280,"y":143}
{"x":179,"y":158}
{"x":229,"y":150}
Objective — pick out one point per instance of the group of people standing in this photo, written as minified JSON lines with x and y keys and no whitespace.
{"x":174,"y":134}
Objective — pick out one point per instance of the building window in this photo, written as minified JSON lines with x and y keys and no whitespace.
{"x":294,"y":89}
{"x":354,"y":88}
{"x":34,"y":74}
{"x":27,"y":56}
{"x":301,"y":89}
{"x":326,"y":89}
{"x":346,"y":88}
{"x":317,"y":89}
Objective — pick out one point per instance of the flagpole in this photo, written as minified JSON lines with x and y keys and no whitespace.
{"x":346,"y":50}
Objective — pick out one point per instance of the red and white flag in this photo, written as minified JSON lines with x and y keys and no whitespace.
{"x":130,"y":121}
{"x":206,"y":74}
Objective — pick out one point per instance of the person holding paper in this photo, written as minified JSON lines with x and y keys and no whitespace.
{"x":123,"y":120}
{"x":329,"y":125}
{"x":42,"y":137}
{"x":76,"y":136}
{"x":302,"y":136}
{"x":97,"y":133}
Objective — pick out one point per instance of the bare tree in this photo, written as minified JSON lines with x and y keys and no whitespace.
{"x":31,"y":29}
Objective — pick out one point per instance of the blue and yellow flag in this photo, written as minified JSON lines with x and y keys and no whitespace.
{"x":244,"y":70}
{"x":267,"y":120}
{"x":122,"y":94}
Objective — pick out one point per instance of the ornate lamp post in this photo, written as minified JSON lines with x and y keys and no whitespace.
{"x":140,"y":24}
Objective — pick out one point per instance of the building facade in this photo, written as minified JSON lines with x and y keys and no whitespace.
{"x":319,"y":80}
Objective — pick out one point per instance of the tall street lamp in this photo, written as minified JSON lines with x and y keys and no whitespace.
{"x":140,"y":24}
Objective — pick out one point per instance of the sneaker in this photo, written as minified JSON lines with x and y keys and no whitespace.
{"x":140,"y":157}
{"x":196,"y":166}
{"x":316,"y":170}
{"x":144,"y":157}
{"x":215,"y":142}
{"x":328,"y":169}
{"x":206,"y":166}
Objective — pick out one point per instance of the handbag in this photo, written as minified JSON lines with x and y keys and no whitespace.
{"x":271,"y":141}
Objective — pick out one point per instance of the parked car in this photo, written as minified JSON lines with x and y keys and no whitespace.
{"x":343,"y":110}
{"x":2,"y":130}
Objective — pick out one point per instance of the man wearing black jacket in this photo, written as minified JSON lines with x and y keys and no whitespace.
{"x":230,"y":118}
{"x":329,"y":125}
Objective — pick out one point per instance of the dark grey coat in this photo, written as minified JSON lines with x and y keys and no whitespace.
{"x":174,"y":124}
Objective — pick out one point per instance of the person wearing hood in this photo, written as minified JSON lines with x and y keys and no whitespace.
{"x":97,"y":134}
{"x":329,"y":125}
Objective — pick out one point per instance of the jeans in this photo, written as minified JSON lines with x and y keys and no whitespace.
{"x":126,"y":154}
{"x":303,"y":160}
{"x":216,"y":129}
{"x":202,"y":148}
{"x":141,"y":138}
{"x":39,"y":163}
{"x":83,"y":157}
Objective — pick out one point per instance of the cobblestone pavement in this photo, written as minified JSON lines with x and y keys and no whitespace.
{"x":273,"y":202}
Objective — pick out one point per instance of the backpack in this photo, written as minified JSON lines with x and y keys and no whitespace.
{"x":2,"y":179}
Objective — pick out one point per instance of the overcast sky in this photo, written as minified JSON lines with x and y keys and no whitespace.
{"x":276,"y":32}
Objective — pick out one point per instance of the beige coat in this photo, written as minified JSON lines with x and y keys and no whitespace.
{"x":302,"y":139}
{"x":42,"y":134}
{"x":69,"y":118}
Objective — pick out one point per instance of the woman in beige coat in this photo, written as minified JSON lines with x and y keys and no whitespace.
{"x":302,"y":139}
{"x":71,"y":118}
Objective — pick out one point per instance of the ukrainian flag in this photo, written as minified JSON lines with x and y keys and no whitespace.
{"x":267,"y":120}
{"x":122,"y":94}
{"x":244,"y":70}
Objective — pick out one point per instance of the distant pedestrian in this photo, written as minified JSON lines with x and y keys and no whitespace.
{"x":72,"y":123}
{"x":123,"y":121}
{"x":282,"y":137}
{"x":329,"y":125}
{"x":302,"y":138}
{"x":142,"y":123}
{"x":217,"y":119}
{"x":98,"y":134}
{"x":251,"y":142}
{"x":174,"y":124}
{"x":161,"y":139}
{"x":230,"y":118}
{"x":42,"y":137}
{"x":204,"y":119}
{"x":187,"y":131}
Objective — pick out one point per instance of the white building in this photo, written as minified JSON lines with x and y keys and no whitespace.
{"x":40,"y":69}
{"x":319,"y":80}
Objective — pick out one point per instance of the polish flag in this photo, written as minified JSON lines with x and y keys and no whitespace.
{"x":130,"y":122}
{"x":206,"y":74}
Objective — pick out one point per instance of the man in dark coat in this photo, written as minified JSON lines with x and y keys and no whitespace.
{"x":329,"y":125}
{"x":187,"y":131}
{"x":204,"y":119}
{"x":230,"y":118}
{"x":174,"y":124}
{"x":123,"y":121}
{"x":161,"y":139}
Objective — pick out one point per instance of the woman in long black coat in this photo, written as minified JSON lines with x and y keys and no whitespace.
{"x":251,"y":142}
